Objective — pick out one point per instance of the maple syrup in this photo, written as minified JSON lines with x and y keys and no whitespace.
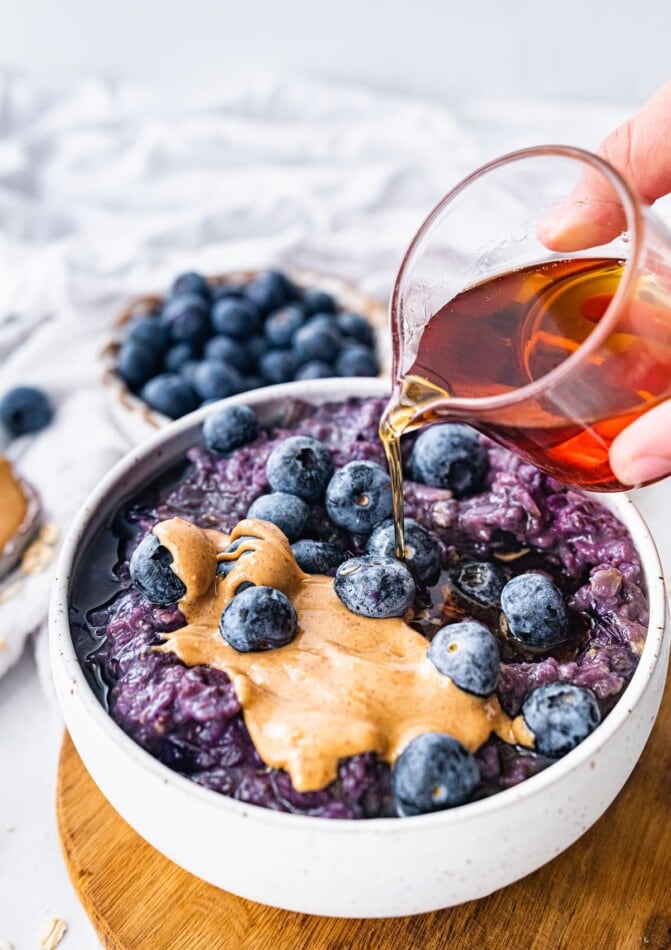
{"x":512,"y":330}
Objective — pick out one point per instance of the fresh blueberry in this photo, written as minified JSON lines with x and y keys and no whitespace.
{"x":229,"y":429}
{"x":357,"y":360}
{"x":469,"y":654}
{"x":315,"y":369}
{"x":450,"y":456}
{"x":148,"y":331}
{"x":169,"y":394}
{"x":300,"y":466}
{"x":187,"y":317}
{"x":358,"y":496}
{"x":250,"y":382}
{"x":229,"y":351}
{"x":136,"y":363}
{"x":277,"y":366}
{"x":225,"y":567}
{"x":228,"y":290}
{"x":152,"y":574}
{"x":355,"y":326}
{"x":191,"y":283}
{"x":373,"y":586}
{"x":282,"y":324}
{"x":433,"y":772}
{"x":270,"y":291}
{"x":259,"y":618}
{"x":216,"y":380}
{"x":560,"y":716}
{"x":188,"y":372}
{"x":316,"y":340}
{"x":318,"y":301}
{"x":422,"y":551}
{"x":317,"y":557}
{"x":178,"y":355}
{"x":256,"y":346}
{"x":535,"y":611}
{"x":25,"y":409}
{"x":288,"y":512}
{"x":480,"y":581}
{"x":236,"y":318}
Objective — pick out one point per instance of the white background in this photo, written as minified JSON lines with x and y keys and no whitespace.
{"x":603,"y":56}
{"x":448,"y":49}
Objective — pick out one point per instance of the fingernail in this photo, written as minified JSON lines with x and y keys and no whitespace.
{"x":648,"y":468}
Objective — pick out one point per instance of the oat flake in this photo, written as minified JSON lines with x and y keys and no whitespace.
{"x":52,"y":933}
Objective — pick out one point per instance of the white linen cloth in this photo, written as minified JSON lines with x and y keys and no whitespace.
{"x":111,"y":190}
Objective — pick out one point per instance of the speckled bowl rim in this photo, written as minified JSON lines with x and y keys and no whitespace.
{"x":590,"y":748}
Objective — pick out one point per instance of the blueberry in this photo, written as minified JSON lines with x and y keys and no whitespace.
{"x":229,"y":429}
{"x":301,"y":466}
{"x":286,"y":511}
{"x":25,"y":409}
{"x":169,"y":394}
{"x":373,"y":586}
{"x":535,"y":611}
{"x":450,"y":456}
{"x":316,"y":340}
{"x":315,"y":369}
{"x":215,"y":380}
{"x":357,"y":360}
{"x":317,"y":557}
{"x":136,"y":363}
{"x":277,"y":366}
{"x":236,"y":318}
{"x":178,"y":355}
{"x":187,"y":318}
{"x":227,"y":290}
{"x":469,"y":654}
{"x":229,"y":351}
{"x":355,"y":326}
{"x":148,"y":331}
{"x":560,"y":716}
{"x":270,"y":291}
{"x":256,"y":346}
{"x":250,"y":382}
{"x":433,"y":772}
{"x":152,"y":574}
{"x":480,"y":581}
{"x":422,"y":551}
{"x":188,"y":372}
{"x":258,"y":618}
{"x":358,"y":496}
{"x":318,"y":301}
{"x":282,"y":324}
{"x":191,"y":283}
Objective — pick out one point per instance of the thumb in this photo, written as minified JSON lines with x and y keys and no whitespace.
{"x":642,"y":452}
{"x":592,"y":214}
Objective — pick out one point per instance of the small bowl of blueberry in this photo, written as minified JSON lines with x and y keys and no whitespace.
{"x":285,"y":709}
{"x":210,"y":338}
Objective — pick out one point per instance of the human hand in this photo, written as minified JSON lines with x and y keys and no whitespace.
{"x":639,"y":150}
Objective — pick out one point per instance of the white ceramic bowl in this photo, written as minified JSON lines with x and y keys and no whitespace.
{"x":375,"y":868}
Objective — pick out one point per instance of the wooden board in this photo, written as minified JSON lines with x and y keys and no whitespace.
{"x":611,"y":890}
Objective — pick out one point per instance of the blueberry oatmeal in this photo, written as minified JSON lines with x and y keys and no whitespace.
{"x":249,"y":626}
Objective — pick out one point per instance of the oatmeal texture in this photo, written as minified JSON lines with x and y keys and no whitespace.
{"x":190,"y":717}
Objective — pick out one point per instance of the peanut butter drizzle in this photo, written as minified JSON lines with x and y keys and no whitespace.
{"x":346,"y":684}
{"x":13,"y":503}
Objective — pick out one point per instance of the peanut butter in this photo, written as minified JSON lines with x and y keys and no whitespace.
{"x":345,"y":685}
{"x":13,"y":503}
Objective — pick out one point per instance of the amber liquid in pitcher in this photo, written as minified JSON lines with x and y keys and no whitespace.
{"x":513,"y":329}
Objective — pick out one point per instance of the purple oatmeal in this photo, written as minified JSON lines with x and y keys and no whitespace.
{"x":190,"y":718}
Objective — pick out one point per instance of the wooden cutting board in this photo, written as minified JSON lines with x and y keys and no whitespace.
{"x":611,"y":890}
